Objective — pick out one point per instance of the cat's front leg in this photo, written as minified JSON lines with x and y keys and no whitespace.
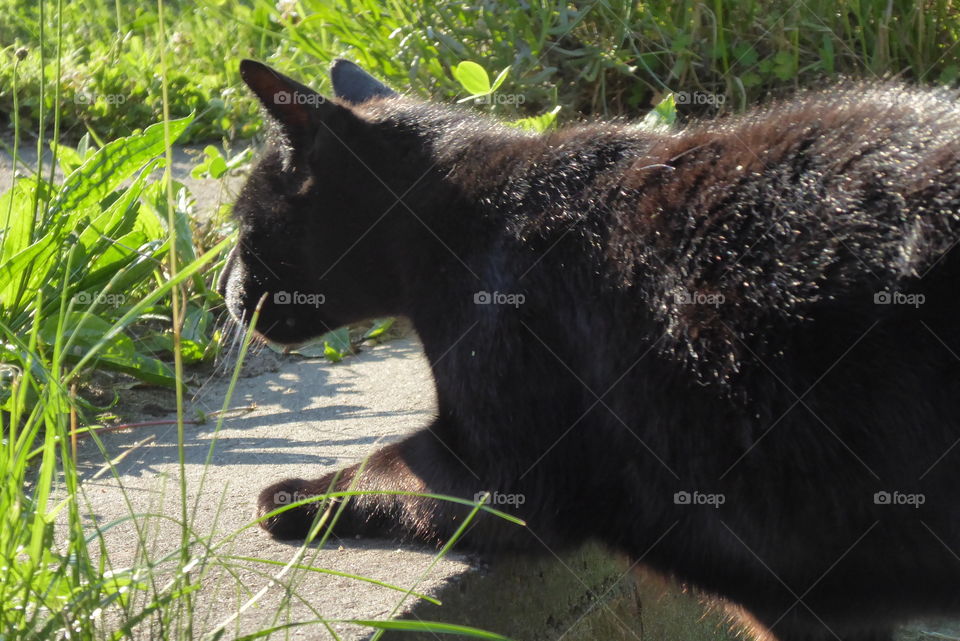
{"x":420,"y":463}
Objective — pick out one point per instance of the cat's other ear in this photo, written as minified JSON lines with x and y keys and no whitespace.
{"x":298,"y":108}
{"x":353,"y":84}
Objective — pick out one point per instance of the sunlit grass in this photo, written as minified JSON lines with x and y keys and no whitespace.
{"x":614,"y":57}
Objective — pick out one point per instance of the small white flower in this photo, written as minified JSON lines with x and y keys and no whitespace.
{"x":287,"y":9}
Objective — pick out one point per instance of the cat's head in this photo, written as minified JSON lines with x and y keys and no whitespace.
{"x":318,"y":227}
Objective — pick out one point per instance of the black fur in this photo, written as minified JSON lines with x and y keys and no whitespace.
{"x":700,"y":314}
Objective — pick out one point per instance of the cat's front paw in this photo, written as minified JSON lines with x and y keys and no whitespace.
{"x":294,"y":523}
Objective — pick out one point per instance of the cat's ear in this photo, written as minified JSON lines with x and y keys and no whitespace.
{"x":353,"y":84}
{"x":298,"y":108}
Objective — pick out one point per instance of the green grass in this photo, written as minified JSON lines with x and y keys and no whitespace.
{"x":106,"y":270}
{"x":610,"y":58}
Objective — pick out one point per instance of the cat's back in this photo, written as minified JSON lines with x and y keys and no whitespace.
{"x":853,"y":160}
{"x":734,"y":230}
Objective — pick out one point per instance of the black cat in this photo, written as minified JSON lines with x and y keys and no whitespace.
{"x":730,"y":351}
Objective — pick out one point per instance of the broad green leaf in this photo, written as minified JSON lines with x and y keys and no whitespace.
{"x":218,"y":167}
{"x":157,"y":344}
{"x":379,"y":327}
{"x":213,"y":166}
{"x":128,"y":271}
{"x":112,"y":164}
{"x":50,"y":274}
{"x":16,"y":210}
{"x":67,"y":157}
{"x":500,"y":78}
{"x":472,"y":77}
{"x":336,"y":344}
{"x":145,"y":368}
{"x":149,"y":300}
{"x":191,"y":351}
{"x":148,"y":221}
{"x":84,"y":330}
{"x":186,"y":251}
{"x":84,"y":148}
{"x":333,"y":346}
{"x":117,"y":255}
{"x":155,"y":197}
{"x":338,"y":338}
{"x":196,"y":323}
{"x":331,"y":353}
{"x":313,"y":349}
{"x":120,"y":217}
{"x":39,"y":256}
